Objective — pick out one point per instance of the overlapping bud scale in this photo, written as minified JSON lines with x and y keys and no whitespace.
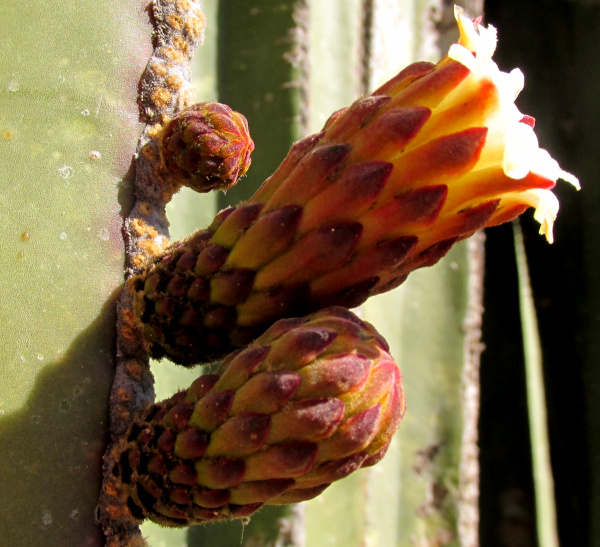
{"x":206,"y":147}
{"x":307,"y":403}
{"x":388,"y":186}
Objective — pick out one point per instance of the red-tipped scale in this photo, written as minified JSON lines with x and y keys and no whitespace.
{"x":307,"y":403}
{"x":388,"y":186}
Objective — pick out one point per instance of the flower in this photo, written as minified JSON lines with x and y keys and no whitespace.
{"x":388,"y":186}
{"x":455,"y":142}
{"x":511,"y":137}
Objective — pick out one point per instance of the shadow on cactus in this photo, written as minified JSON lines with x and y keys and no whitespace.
{"x":73,"y":385}
{"x":388,"y":186}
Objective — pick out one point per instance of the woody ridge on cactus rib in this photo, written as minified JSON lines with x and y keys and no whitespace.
{"x":309,"y":402}
{"x":388,"y":186}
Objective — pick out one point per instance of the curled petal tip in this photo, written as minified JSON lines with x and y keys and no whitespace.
{"x":476,"y":39}
{"x":545,"y":213}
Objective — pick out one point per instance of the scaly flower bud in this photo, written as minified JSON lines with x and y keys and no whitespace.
{"x":206,"y":147}
{"x":307,"y":403}
{"x":388,"y":186}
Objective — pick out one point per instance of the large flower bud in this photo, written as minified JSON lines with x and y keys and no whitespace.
{"x":309,"y":402}
{"x":206,"y":147}
{"x":388,"y":186}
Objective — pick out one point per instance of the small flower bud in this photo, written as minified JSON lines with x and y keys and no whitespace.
{"x":206,"y":146}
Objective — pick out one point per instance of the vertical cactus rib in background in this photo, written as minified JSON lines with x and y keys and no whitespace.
{"x":536,"y":403}
{"x":262,"y":72}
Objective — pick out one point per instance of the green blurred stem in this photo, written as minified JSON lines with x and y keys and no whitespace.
{"x":536,"y":401}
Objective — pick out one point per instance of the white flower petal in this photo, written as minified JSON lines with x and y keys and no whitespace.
{"x":521,"y":152}
{"x":521,"y":147}
{"x":461,"y":54}
{"x":480,"y":40}
{"x":545,"y":212}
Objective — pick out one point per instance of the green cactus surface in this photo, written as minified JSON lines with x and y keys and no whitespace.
{"x":68,"y":128}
